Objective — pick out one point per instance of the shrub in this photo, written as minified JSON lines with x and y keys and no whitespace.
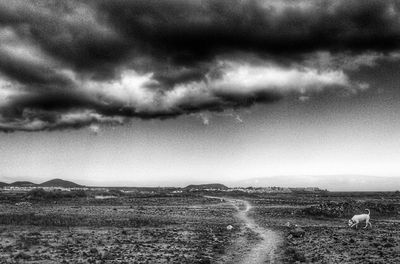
{"x":42,"y":195}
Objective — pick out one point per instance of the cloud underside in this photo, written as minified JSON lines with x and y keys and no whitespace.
{"x":74,"y":64}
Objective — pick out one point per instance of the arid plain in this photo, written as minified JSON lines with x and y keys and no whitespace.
{"x":196,"y":226}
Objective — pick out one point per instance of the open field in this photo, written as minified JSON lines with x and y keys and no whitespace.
{"x":192,"y":228}
{"x":149,"y":230}
{"x":322,"y":235}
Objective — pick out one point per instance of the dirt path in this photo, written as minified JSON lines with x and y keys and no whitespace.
{"x":264,"y":251}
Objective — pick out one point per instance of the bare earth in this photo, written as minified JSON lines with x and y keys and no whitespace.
{"x":267,"y":228}
{"x":144,"y":230}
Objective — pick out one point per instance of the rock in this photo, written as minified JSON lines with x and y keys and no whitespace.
{"x":106,"y":255}
{"x":94,"y":251}
{"x":297,"y":232}
{"x":388,"y":245}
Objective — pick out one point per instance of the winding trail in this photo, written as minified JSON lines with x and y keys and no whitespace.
{"x":263,"y":251}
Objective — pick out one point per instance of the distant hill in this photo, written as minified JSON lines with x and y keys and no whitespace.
{"x":22,"y":184}
{"x":60,"y":183}
{"x":215,"y":186}
{"x":2,"y":184}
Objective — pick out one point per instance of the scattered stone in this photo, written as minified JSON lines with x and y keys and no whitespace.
{"x":24,"y":204}
{"x":297,"y":232}
{"x":23,"y":255}
{"x":387,"y":245}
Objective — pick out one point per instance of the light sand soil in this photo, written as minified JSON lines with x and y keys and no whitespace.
{"x":264,"y":250}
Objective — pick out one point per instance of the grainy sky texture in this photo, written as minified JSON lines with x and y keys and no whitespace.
{"x":180,"y":90}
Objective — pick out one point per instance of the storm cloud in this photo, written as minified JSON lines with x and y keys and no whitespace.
{"x":71,"y":64}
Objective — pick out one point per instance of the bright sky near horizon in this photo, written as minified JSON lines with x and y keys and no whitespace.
{"x":279,"y":139}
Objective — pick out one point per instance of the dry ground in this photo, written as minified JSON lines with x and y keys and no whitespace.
{"x":279,"y":228}
{"x":326,"y":238}
{"x":152,"y":231}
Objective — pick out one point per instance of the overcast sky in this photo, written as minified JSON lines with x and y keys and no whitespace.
{"x":145,"y":91}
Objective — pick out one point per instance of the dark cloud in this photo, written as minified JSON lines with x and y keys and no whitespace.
{"x":30,"y":73}
{"x":58,"y":58}
{"x":187,"y":32}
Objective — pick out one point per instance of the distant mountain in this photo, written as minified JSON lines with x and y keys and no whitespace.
{"x":329,"y":182}
{"x":2,"y":184}
{"x":215,"y":186}
{"x":60,"y":183}
{"x":23,"y":184}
